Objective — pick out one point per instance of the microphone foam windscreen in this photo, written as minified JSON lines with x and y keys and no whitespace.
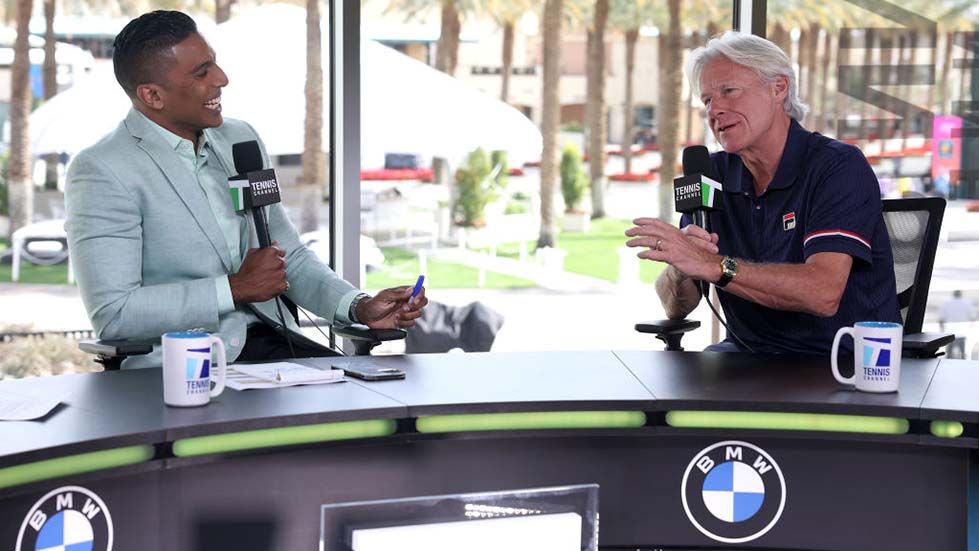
{"x":247,"y":156}
{"x":696,"y":160}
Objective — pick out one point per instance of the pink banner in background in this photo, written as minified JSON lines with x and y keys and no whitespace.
{"x":946,"y":151}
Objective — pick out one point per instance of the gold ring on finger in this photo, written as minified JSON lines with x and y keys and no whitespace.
{"x":659,"y":244}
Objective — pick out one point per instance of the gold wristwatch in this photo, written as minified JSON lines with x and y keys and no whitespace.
{"x":729,"y":269}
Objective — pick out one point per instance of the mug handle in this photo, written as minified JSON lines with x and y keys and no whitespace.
{"x":833,"y":354}
{"x":222,"y":367}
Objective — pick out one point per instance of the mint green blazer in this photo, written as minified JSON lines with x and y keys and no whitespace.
{"x":146,"y":247}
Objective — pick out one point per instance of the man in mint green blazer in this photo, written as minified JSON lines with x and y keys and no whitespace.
{"x":155,"y":241}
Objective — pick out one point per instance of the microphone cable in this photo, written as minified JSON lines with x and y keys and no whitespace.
{"x":704,"y":286}
{"x":285,"y":330}
{"x":705,"y":292}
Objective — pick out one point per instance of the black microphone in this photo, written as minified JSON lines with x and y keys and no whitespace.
{"x":262,"y":189}
{"x":697,"y":192}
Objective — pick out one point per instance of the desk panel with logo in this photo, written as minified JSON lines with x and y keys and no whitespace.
{"x":688,"y":450}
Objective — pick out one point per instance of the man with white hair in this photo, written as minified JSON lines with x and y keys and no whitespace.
{"x":800,"y":248}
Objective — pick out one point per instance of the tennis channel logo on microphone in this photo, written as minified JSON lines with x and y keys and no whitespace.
{"x":696,"y":191}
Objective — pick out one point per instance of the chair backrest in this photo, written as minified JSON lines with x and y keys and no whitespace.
{"x":913,"y":225}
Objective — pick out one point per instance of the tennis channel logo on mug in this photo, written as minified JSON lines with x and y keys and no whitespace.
{"x":876,"y":356}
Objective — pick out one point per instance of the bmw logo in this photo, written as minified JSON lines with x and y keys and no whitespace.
{"x":70,"y":518}
{"x":733,"y":492}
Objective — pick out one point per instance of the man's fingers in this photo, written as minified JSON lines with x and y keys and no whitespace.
{"x":653,"y":254}
{"x":642,"y":242}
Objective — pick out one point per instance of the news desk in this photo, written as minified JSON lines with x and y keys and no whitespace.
{"x":855,"y":471}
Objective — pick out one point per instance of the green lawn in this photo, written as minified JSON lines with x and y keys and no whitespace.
{"x":593,"y":254}
{"x":30,"y":273}
{"x":401,"y":268}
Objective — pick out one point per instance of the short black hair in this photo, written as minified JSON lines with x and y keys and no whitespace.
{"x":141,"y":47}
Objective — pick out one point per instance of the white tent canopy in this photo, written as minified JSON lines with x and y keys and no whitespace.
{"x":406,"y":106}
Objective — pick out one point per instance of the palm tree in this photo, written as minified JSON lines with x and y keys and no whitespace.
{"x":550,"y":117}
{"x":50,"y":71}
{"x":506,"y":13}
{"x":447,"y":47}
{"x":222,"y":10}
{"x":20,"y":188}
{"x":596,"y":111}
{"x":668,"y":108}
{"x":313,"y":160}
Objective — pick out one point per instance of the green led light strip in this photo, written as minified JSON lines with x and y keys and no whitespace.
{"x":947,"y":429}
{"x":786,"y":421}
{"x":74,"y":464}
{"x":531,"y":421}
{"x":285,"y":436}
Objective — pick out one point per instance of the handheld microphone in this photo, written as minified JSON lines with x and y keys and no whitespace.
{"x":263,"y":188}
{"x":696,"y":192}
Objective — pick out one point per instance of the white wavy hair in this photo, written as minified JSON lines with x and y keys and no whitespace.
{"x":754,"y":52}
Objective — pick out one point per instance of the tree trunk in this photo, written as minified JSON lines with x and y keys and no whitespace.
{"x":20,"y":188}
{"x":222,"y":10}
{"x":868,"y":60}
{"x":447,"y":47}
{"x":944,"y":106}
{"x":50,"y":71}
{"x":668,"y":112}
{"x":550,"y":118}
{"x":810,"y":54}
{"x":631,"y":37}
{"x":821,"y":105}
{"x":507,"y":68}
{"x":314,"y":161}
{"x":597,"y":110}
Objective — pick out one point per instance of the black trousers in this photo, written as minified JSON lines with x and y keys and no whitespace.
{"x":264,"y":343}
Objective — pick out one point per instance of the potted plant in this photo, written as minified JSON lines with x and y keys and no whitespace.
{"x":573,"y":186}
{"x":477,"y":186}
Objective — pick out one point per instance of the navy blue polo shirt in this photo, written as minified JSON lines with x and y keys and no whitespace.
{"x":824,"y":198}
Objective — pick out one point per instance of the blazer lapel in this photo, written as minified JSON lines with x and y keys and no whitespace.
{"x":181,"y":180}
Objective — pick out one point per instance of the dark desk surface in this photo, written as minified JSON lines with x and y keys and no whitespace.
{"x":497,"y":382}
{"x":104,"y":410}
{"x":719,"y":381}
{"x":118,"y":408}
{"x":954,"y":392}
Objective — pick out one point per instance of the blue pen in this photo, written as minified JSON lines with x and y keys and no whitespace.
{"x":417,"y":289}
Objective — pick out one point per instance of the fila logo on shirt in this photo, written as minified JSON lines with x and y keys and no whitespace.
{"x":788,"y":221}
{"x":70,"y":518}
{"x":733,"y":492}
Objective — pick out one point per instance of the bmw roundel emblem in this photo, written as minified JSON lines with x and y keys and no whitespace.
{"x":70,"y":518}
{"x":733,"y":491}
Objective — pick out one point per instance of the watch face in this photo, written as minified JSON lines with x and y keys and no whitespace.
{"x":729,"y":265}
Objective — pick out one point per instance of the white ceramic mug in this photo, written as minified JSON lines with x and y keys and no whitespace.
{"x":188,"y":368}
{"x":876,"y":355}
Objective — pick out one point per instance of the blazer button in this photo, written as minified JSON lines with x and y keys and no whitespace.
{"x":235,"y":341}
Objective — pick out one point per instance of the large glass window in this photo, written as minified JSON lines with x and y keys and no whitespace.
{"x":896,"y":79}
{"x":460,"y":100}
{"x":263,"y":49}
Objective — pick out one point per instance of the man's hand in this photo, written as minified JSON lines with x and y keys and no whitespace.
{"x":392,"y":308}
{"x":262,"y":275}
{"x":691,"y":251}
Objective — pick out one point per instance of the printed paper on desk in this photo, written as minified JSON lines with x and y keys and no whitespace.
{"x":14,"y":407}
{"x":286,"y":373}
